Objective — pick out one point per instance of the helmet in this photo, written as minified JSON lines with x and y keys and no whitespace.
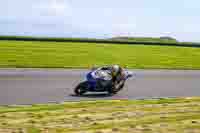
{"x":115,"y":69}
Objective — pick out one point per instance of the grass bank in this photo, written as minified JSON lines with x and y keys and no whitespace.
{"x":27,"y":54}
{"x":176,"y":115}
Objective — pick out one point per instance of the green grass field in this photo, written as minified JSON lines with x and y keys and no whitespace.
{"x":27,"y":54}
{"x":178,"y":115}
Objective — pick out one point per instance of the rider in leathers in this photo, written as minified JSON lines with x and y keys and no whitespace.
{"x":109,"y":76}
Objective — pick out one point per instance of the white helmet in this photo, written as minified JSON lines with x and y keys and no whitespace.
{"x":115,"y":69}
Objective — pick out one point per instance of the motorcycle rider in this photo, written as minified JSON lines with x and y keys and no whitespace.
{"x":109,"y":76}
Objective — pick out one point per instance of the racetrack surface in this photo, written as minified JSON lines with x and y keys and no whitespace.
{"x":34,"y":86}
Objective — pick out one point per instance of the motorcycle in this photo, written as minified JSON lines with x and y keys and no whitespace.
{"x":92,"y":86}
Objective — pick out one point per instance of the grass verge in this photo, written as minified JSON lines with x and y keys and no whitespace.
{"x":83,"y":55}
{"x":139,"y":116}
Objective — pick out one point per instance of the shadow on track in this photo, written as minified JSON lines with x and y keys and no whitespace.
{"x":93,"y":95}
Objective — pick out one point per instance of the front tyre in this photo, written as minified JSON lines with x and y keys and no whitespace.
{"x":81,"y":88}
{"x":120,"y":87}
{"x":112,"y":91}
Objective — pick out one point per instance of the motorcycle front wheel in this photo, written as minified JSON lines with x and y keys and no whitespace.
{"x":112,"y":91}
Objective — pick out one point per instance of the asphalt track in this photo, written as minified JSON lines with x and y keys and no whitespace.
{"x":35,"y":86}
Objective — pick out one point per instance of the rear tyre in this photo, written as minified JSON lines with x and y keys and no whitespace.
{"x":81,"y":88}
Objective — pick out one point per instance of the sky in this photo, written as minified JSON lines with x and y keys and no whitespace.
{"x":101,"y":18}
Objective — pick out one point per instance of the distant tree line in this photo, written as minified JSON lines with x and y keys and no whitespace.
{"x":165,"y":41}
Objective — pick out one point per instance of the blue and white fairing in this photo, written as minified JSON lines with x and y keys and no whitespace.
{"x":95,"y":75}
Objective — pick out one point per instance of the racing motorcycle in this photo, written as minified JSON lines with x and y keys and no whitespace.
{"x":92,"y":86}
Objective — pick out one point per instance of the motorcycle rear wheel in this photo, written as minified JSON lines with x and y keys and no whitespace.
{"x":81,"y":89}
